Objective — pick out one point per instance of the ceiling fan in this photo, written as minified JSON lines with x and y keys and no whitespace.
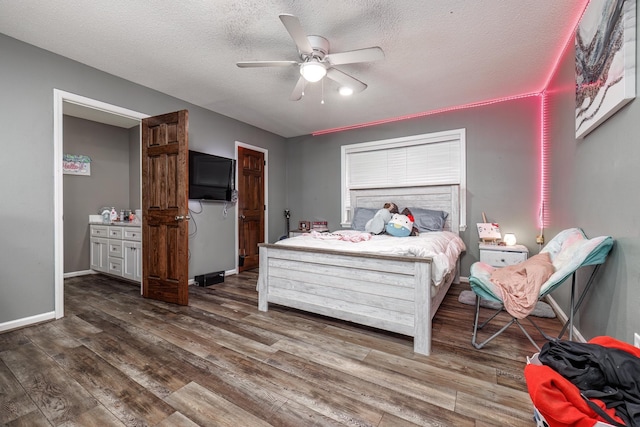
{"x":316,"y":61}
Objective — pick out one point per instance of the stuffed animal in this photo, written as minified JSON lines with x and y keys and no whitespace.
{"x":376,"y":225}
{"x":401,"y":225}
{"x":414,"y":229}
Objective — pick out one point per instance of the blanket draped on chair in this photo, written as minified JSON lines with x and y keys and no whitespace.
{"x":520,"y":284}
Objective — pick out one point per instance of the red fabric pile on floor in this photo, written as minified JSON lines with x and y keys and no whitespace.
{"x":560,"y":402}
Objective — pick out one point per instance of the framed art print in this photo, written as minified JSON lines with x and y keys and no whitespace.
{"x":605,"y":48}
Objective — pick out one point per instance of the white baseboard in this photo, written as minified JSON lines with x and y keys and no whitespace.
{"x":464,"y":279}
{"x":79,"y":273}
{"x":577,"y":336}
{"x":27,"y":321}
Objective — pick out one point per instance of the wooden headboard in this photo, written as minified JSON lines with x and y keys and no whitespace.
{"x":437,"y":197}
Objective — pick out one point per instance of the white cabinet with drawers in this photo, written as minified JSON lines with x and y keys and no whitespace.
{"x":117,"y":250}
{"x":99,"y":241}
{"x":132,"y":260}
{"x":501,"y":256}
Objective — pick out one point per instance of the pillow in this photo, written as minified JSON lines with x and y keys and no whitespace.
{"x":428,"y":220}
{"x":361,"y":216}
{"x":376,"y":224}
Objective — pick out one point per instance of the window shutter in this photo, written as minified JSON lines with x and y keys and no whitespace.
{"x":429,"y":159}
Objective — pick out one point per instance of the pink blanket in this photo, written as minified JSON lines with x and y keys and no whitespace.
{"x":353,"y":237}
{"x":520,"y":284}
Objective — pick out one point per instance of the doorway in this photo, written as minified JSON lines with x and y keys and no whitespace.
{"x":252,"y":208}
{"x":92,"y":110}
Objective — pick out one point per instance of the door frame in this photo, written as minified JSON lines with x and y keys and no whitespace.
{"x":59,"y":97}
{"x":266,"y":194}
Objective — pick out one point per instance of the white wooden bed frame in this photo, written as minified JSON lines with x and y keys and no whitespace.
{"x":392,"y":293}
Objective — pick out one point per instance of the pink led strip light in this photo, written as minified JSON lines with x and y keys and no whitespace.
{"x":543,"y":217}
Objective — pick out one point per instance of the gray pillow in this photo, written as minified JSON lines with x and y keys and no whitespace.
{"x":428,"y":220}
{"x":360,"y":218}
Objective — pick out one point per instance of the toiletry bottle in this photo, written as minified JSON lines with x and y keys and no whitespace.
{"x":114,"y":214}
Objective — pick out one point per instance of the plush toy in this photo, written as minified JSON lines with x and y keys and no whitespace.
{"x":414,"y":229}
{"x":377,"y":224}
{"x":401,"y":225}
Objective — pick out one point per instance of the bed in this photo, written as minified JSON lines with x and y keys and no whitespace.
{"x":391,"y":292}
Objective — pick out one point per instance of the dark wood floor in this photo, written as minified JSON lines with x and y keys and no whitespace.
{"x":118,"y":359}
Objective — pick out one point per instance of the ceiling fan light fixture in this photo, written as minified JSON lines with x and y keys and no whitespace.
{"x":345,"y":91}
{"x":313,"y":71}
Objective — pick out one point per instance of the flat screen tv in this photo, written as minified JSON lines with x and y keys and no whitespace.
{"x":210,"y":177}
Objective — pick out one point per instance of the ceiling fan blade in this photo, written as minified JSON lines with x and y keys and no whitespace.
{"x":352,"y":56}
{"x":292,"y":24}
{"x":248,"y":64}
{"x":296,"y":95}
{"x":344,"y":79}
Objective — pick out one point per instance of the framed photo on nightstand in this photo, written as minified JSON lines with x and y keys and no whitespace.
{"x":489,"y":231}
{"x":304,"y":225}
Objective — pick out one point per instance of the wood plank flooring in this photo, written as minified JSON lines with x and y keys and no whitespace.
{"x":117,"y":359}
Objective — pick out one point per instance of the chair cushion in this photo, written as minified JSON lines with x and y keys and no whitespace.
{"x":480,"y":281}
{"x":570,"y":250}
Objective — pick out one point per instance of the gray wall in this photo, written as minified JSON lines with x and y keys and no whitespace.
{"x":135,"y":186}
{"x":592,"y":181}
{"x":108,"y":184}
{"x":594,"y":185}
{"x":28,"y":76}
{"x":502,"y":168}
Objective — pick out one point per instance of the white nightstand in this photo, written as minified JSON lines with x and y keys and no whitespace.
{"x":294,"y":233}
{"x":501,"y":256}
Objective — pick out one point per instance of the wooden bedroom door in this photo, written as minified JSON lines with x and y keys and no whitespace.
{"x":165,"y":209}
{"x":251,"y":207}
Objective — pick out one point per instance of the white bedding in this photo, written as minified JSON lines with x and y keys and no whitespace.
{"x":443,"y":247}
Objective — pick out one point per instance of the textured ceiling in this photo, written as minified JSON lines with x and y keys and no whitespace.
{"x":438,"y":54}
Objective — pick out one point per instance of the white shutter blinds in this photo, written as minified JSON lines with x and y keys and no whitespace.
{"x":367,"y":169}
{"x":429,"y":159}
